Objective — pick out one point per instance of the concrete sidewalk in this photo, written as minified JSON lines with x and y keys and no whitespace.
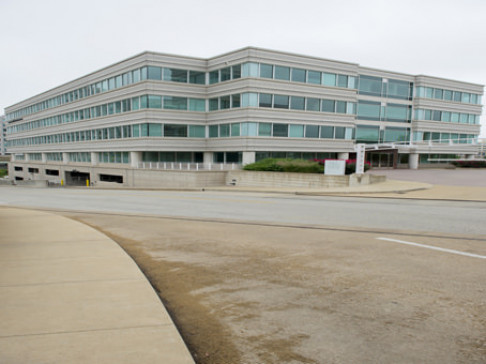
{"x":69,"y":294}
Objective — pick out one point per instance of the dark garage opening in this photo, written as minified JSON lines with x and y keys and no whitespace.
{"x":111,"y":178}
{"x":76,"y":178}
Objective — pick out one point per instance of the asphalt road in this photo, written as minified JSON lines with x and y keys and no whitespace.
{"x":376,"y":213}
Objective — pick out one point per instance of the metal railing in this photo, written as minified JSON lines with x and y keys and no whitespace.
{"x":178,"y":166}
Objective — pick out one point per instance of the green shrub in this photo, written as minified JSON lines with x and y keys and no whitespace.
{"x":285,"y":165}
{"x":469,"y":164}
{"x":3,"y":173}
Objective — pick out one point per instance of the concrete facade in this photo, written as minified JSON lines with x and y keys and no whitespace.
{"x":240,"y":107}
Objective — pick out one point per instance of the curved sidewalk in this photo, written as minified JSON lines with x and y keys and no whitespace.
{"x":69,"y":294}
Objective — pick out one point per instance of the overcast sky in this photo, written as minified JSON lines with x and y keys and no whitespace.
{"x":45,"y":43}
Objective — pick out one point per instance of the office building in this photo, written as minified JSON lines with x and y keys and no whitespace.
{"x":158,"y":111}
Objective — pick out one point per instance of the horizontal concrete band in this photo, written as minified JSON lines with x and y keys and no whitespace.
{"x":69,"y":294}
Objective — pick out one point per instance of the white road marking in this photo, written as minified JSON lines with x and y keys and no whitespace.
{"x":435,"y":248}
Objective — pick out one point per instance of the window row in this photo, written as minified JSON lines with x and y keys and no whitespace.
{"x":295,"y":155}
{"x":251,"y":99}
{"x":446,"y":116}
{"x":370,"y":110}
{"x":280,"y":130}
{"x":117,"y":107}
{"x":448,"y":95}
{"x":80,"y":157}
{"x":291,"y":74}
{"x":449,"y":138}
{"x":114,"y":157}
{"x":373,"y":134}
{"x":382,"y":87}
{"x":112,"y":83}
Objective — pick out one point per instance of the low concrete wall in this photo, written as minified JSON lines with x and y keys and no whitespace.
{"x":177,"y":179}
{"x":300,"y":180}
{"x":31,"y":183}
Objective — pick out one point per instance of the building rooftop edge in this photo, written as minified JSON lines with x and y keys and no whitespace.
{"x":147,"y":52}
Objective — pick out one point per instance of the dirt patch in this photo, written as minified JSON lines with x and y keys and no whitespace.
{"x":261,"y":294}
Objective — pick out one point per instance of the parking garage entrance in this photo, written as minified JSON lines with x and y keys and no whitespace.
{"x":76,"y":178}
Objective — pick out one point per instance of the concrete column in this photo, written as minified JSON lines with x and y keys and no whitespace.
{"x":470,"y":156}
{"x":208,"y":158}
{"x":344,"y":155}
{"x":65,"y":158}
{"x":135,"y":159}
{"x":95,"y":158}
{"x":248,"y":158}
{"x":413,"y":160}
{"x":44,"y":157}
{"x":26,"y":157}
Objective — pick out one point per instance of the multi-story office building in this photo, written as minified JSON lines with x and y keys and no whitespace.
{"x":157,"y":109}
{"x":3,"y":135}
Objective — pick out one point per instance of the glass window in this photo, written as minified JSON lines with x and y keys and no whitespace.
{"x":297,"y":103}
{"x":352,"y":82}
{"x":327,"y":132}
{"x":444,"y":137}
{"x":466,"y":97}
{"x":420,"y":91}
{"x":327,"y":105}
{"x":235,"y":100}
{"x":236,"y":71}
{"x":280,"y":101}
{"x":351,"y":108}
{"x":312,"y":104}
{"x":448,"y":95}
{"x":249,"y":129}
{"x":136,"y":75}
{"x":213,"y":131}
{"x":144,"y":130}
{"x":396,"y":112}
{"x":474,"y":99}
{"x":197,"y":77}
{"x":155,"y":130}
{"x":314,"y":77}
{"x":175,"y":103}
{"x":282,"y":73}
{"x":235,"y":129}
{"x":213,"y":104}
{"x":395,"y":134}
{"x":224,"y":102}
{"x":298,"y":75}
{"x":154,"y":73}
{"x":249,"y":99}
{"x":143,"y":73}
{"x":436,"y":115}
{"x":369,"y":85}
{"x":429,"y":92}
{"x":349,"y":133}
{"x":367,"y":133}
{"x":463,"y":118}
{"x":312,"y":131}
{"x":175,"y":130}
{"x":399,"y":89}
{"x":135,"y":103}
{"x":213,"y":77}
{"x":265,"y":100}
{"x":264,"y":129}
{"x":197,"y":104}
{"x":329,"y":79}
{"x":224,"y":130}
{"x":111,"y":108}
{"x":446,"y":116}
{"x":339,"y":132}
{"x":249,"y":69}
{"x":342,"y":81}
{"x":296,"y":131}
{"x":266,"y":70}
{"x":457,"y":96}
{"x":143,"y":102}
{"x":225,"y":74}
{"x":428,"y":115}
{"x":175,"y":75}
{"x":341,"y":107}
{"x":197,"y":131}
{"x":104,"y":86}
{"x":438,"y":93}
{"x":280,"y":130}
{"x":368,"y":110}
{"x":154,"y":102}
{"x":111,"y":83}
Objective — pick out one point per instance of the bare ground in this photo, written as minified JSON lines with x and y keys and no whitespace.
{"x":264,"y":294}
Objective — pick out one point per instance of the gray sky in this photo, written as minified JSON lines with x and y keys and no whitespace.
{"x":50,"y":42}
